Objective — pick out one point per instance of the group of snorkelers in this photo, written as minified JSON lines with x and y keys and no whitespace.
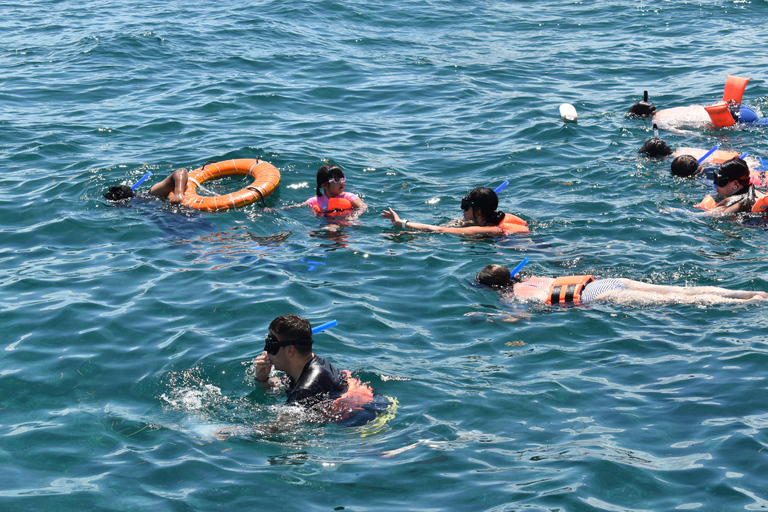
{"x":735,"y":177}
{"x":313,"y":382}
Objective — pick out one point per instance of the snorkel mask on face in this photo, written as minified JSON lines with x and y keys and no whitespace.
{"x":272,"y":345}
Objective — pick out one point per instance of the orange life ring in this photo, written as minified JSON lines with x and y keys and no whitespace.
{"x":266,"y":178}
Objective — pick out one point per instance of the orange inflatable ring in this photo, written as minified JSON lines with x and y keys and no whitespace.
{"x":265,"y":176}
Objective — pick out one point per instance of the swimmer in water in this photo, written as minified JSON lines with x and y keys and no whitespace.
{"x":585,"y":289}
{"x":332,"y":198}
{"x":480,"y":217}
{"x":176,"y":182}
{"x":728,"y":112}
{"x":685,"y":163}
{"x":310,"y":380}
{"x":735,"y":190}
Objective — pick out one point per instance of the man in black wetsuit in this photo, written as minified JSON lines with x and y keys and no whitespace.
{"x":309,"y":378}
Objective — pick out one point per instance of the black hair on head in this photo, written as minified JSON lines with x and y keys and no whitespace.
{"x":486,"y":200}
{"x":684,"y":166}
{"x":326,"y":173}
{"x":641,"y":109}
{"x":655,"y":148}
{"x":735,"y":169}
{"x":119,"y":193}
{"x":495,"y":276}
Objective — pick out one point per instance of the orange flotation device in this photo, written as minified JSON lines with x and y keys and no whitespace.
{"x":734,"y":88}
{"x":513,"y":224}
{"x":721,"y":156}
{"x":761,"y":205}
{"x":708,"y":203}
{"x":355,"y":398}
{"x":567,"y":289}
{"x":265,"y":176}
{"x":720,"y":115}
{"x":336,"y":206}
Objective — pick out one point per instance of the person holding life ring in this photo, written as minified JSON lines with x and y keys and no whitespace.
{"x":312,"y":381}
{"x":333,"y":200}
{"x":582,"y":290}
{"x":480,"y":217}
{"x":174,"y":184}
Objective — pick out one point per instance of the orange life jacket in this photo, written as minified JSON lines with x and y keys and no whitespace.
{"x":734,"y":88}
{"x":513,"y":224}
{"x":561,"y":290}
{"x":336,"y":206}
{"x":720,"y":115}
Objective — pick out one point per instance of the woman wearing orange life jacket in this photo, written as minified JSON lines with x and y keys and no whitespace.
{"x":585,"y":289}
{"x":480,"y":216}
{"x":735,"y":191}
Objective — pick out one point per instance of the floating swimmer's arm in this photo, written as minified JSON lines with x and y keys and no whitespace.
{"x":392,"y":215}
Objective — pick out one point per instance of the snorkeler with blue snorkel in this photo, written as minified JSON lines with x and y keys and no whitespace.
{"x":175,"y":182}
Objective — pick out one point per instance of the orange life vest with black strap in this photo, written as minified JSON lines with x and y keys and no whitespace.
{"x":336,"y":206}
{"x":562,"y":290}
{"x":513,"y":224}
{"x":567,"y":289}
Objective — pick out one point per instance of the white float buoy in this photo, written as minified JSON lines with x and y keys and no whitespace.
{"x":568,"y":113}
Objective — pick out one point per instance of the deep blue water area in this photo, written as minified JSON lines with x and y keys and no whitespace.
{"x":124,"y":376}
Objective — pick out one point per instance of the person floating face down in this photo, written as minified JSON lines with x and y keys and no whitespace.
{"x":584,"y":289}
{"x":175,"y":182}
{"x":727,"y":112}
{"x":481,"y":217}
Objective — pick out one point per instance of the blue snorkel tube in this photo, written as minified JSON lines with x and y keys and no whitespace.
{"x":744,"y":155}
{"x":501,"y":187}
{"x":708,"y":153}
{"x":326,"y":325}
{"x":518,"y":268}
{"x":142,"y":180}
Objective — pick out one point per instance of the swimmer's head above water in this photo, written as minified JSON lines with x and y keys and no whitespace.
{"x":495,"y":276}
{"x":119,"y":193}
{"x":642,"y":109}
{"x":655,"y":148}
{"x":685,"y":166}
{"x":289,"y":330}
{"x":328,"y":174}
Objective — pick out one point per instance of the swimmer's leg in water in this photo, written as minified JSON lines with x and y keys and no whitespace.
{"x":176,"y":182}
{"x":656,"y":293}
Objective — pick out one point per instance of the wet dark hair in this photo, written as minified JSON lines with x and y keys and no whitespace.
{"x":292,"y":328}
{"x":486,"y":200}
{"x":655,"y":148}
{"x":684,"y":166}
{"x":326,"y":173}
{"x":495,"y":276}
{"x":119,"y":192}
{"x":735,"y":169}
{"x":641,"y":109}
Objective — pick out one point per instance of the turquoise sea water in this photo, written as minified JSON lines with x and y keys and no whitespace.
{"x":126,"y":329}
